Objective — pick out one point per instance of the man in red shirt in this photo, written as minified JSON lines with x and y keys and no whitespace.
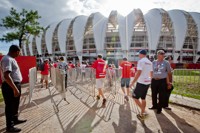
{"x":100,"y":66}
{"x":126,"y":75}
{"x":45,"y":73}
{"x":133,"y":72}
{"x":71,"y":66}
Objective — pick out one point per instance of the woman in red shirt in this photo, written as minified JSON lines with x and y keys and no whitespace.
{"x":45,"y":73}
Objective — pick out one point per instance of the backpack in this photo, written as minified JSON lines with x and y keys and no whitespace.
{"x":42,"y":67}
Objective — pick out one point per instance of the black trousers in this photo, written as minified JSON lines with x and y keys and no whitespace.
{"x":158,"y":89}
{"x":168,"y":93}
{"x":65,"y":80}
{"x":11,"y":103}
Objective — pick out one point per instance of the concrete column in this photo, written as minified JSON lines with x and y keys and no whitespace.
{"x":176,"y":55}
{"x":196,"y":58}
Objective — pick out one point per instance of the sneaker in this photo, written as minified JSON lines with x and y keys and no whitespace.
{"x":140,"y":117}
{"x":126,"y":97}
{"x":145,"y":114}
{"x":98,"y":97}
{"x":13,"y":130}
{"x":104,"y":102}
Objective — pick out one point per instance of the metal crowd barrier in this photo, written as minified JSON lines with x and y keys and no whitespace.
{"x":85,"y":81}
{"x":58,"y":82}
{"x":82,"y":81}
{"x":185,"y":79}
{"x":32,"y":83}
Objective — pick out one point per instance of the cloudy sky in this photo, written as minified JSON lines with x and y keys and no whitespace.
{"x":56,"y":10}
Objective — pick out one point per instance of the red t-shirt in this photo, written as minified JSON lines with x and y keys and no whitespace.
{"x":55,"y":65}
{"x":71,"y":65}
{"x":100,"y":66}
{"x":126,"y":69}
{"x":133,"y":72}
{"x":46,"y":69}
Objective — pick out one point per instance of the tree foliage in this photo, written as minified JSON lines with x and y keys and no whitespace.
{"x":20,"y":24}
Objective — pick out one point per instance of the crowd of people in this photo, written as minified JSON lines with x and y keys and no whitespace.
{"x":156,"y":74}
{"x":146,"y":74}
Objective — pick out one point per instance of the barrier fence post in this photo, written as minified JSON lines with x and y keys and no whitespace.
{"x":32,"y":83}
{"x":58,"y":81}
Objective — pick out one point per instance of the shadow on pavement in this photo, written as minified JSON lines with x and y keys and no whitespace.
{"x":182,"y":124}
{"x":126,"y":125}
{"x":84,"y":125}
{"x":166,"y":125}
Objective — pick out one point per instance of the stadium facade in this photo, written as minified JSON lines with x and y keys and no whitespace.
{"x":176,"y":31}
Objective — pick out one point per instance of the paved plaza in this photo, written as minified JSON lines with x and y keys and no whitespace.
{"x":83,"y":114}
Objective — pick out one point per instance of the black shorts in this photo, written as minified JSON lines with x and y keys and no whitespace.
{"x":140,"y":91}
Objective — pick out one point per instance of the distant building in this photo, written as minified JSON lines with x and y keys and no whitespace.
{"x":176,"y":31}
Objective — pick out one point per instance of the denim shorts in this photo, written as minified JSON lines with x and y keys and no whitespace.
{"x":125,"y":82}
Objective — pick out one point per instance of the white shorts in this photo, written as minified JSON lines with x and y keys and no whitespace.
{"x":100,"y":83}
{"x":44,"y":77}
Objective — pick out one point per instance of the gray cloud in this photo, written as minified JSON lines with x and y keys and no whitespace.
{"x":50,"y":10}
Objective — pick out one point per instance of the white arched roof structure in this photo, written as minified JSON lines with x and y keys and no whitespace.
{"x":131,"y":19}
{"x":153,"y":21}
{"x":180,"y":27}
{"x":62,"y":34}
{"x":123,"y":29}
{"x":78,"y":32}
{"x":24,"y":48}
{"x":196,"y":17}
{"x":49,"y":36}
{"x":167,"y":28}
{"x":38,"y":40}
{"x":99,"y":29}
{"x":30,"y":40}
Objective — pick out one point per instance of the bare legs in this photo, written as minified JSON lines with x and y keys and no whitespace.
{"x":101,"y":93}
{"x":141,"y":104}
{"x":128,"y":91}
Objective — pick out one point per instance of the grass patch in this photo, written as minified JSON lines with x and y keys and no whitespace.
{"x":188,"y":86}
{"x":1,"y":97}
{"x":178,"y":72}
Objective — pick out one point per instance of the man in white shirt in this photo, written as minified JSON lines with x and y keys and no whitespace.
{"x":143,"y":78}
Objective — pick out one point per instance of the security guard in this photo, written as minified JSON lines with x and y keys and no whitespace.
{"x":11,"y":88}
{"x":160,"y":81}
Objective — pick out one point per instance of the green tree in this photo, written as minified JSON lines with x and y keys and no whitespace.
{"x":20,"y":24}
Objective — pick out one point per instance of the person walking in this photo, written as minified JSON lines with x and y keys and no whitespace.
{"x":126,"y":75}
{"x":143,"y":78}
{"x":11,"y":88}
{"x":100,"y":66}
{"x":45,"y":73}
{"x":62,"y":65}
{"x":83,"y":70}
{"x":133,"y":72}
{"x":110,"y":75}
{"x":160,"y":81}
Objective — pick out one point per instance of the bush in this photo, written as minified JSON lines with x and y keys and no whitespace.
{"x":1,"y":96}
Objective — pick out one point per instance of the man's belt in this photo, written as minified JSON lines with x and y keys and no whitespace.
{"x":159,"y":78}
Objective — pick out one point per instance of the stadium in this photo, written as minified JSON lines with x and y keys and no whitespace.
{"x":116,"y":36}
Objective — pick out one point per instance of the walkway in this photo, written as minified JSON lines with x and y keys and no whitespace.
{"x":83,"y":114}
